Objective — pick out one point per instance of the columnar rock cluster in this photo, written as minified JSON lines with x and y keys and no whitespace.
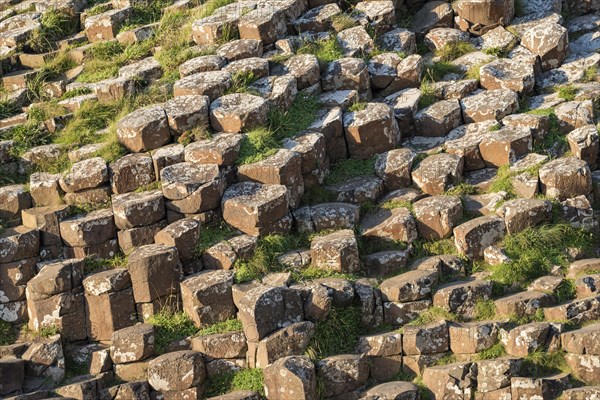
{"x":300,"y":199}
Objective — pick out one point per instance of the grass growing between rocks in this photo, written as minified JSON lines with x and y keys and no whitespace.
{"x":338,"y":334}
{"x":452,"y":50}
{"x":566,"y":92}
{"x":144,"y":14}
{"x":534,"y":251}
{"x":170,"y":326}
{"x":493,"y":352}
{"x":211,"y":235}
{"x":244,"y":379}
{"x":263,"y":142}
{"x":326,"y":50}
{"x":8,"y":333}
{"x":433,"y":314}
{"x":350,"y":168}
{"x":94,"y":264}
{"x":264,"y":259}
{"x":543,"y":363}
{"x":437,"y":71}
{"x":485,"y":310}
{"x":55,"y":24}
{"x":231,"y":325}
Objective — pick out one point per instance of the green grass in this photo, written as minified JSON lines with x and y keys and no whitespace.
{"x":496,"y":51}
{"x":263,"y":142}
{"x":338,"y":334}
{"x":341,"y":22}
{"x":422,"y":248}
{"x":447,"y":359}
{"x":461,"y":189}
{"x":244,"y":379}
{"x":98,"y":9}
{"x":566,"y":291}
{"x":26,"y":136}
{"x":317,"y":195}
{"x":95,"y":264}
{"x":156,"y":185}
{"x":474,"y":72}
{"x":437,"y":71}
{"x":543,"y":363}
{"x":264,"y":259}
{"x":357,"y":106}
{"x":503,"y":181}
{"x":326,"y":51}
{"x":485,"y":310}
{"x":231,"y":325}
{"x":312,"y":273}
{"x":8,"y":108}
{"x":211,"y":235}
{"x":590,"y":74}
{"x":554,"y":139}
{"x":80,"y":91}
{"x":209,"y":7}
{"x":241,"y":82}
{"x":144,"y":14}
{"x":428,"y":96}
{"x":8,"y":333}
{"x":169,"y":327}
{"x":433,"y":314}
{"x":452,"y":50}
{"x":392,"y":204}
{"x":566,"y":92}
{"x":350,"y":168}
{"x":493,"y":352}
{"x":534,"y":251}
{"x":52,"y":69}
{"x":55,"y":24}
{"x":48,"y":331}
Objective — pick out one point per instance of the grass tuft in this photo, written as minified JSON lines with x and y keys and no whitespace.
{"x":543,"y":363}
{"x":95,"y":264}
{"x":338,"y":334}
{"x":211,"y":235}
{"x":170,"y":326}
{"x":326,"y":50}
{"x":433,"y":314}
{"x":231,"y":325}
{"x":485,"y":310}
{"x":452,"y":50}
{"x":493,"y":352}
{"x":566,"y":92}
{"x":437,"y":71}
{"x":8,"y":333}
{"x":244,"y":379}
{"x":350,"y":168}
{"x":263,"y":142}
{"x":534,"y":251}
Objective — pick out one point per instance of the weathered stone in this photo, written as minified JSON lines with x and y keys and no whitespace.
{"x":549,"y":41}
{"x":135,"y":343}
{"x":183,"y":234}
{"x":438,"y":172}
{"x":396,"y":224}
{"x":153,"y":269}
{"x":289,"y":378}
{"x":394,"y":168}
{"x":238,"y":112}
{"x":288,"y":341}
{"x":472,"y":337}
{"x":461,"y":297}
{"x":264,"y":309}
{"x":336,"y":251}
{"x":133,"y":210}
{"x":221,"y":345}
{"x":437,"y":215}
{"x":144,"y":129}
{"x":505,"y":146}
{"x":426,"y":339}
{"x":525,"y":339}
{"x":207,"y":297}
{"x":522,"y":304}
{"x":87,"y":229}
{"x":452,"y":380}
{"x":342,"y":374}
{"x":434,"y":14}
{"x":472,"y":237}
{"x":347,"y":74}
{"x":254,"y":208}
{"x":222,"y":149}
{"x":564,"y":178}
{"x":409,"y":286}
{"x":179,"y":370}
{"x":439,"y":118}
{"x":584,"y":143}
{"x":211,"y":83}
{"x":490,"y":104}
{"x":505,"y":73}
